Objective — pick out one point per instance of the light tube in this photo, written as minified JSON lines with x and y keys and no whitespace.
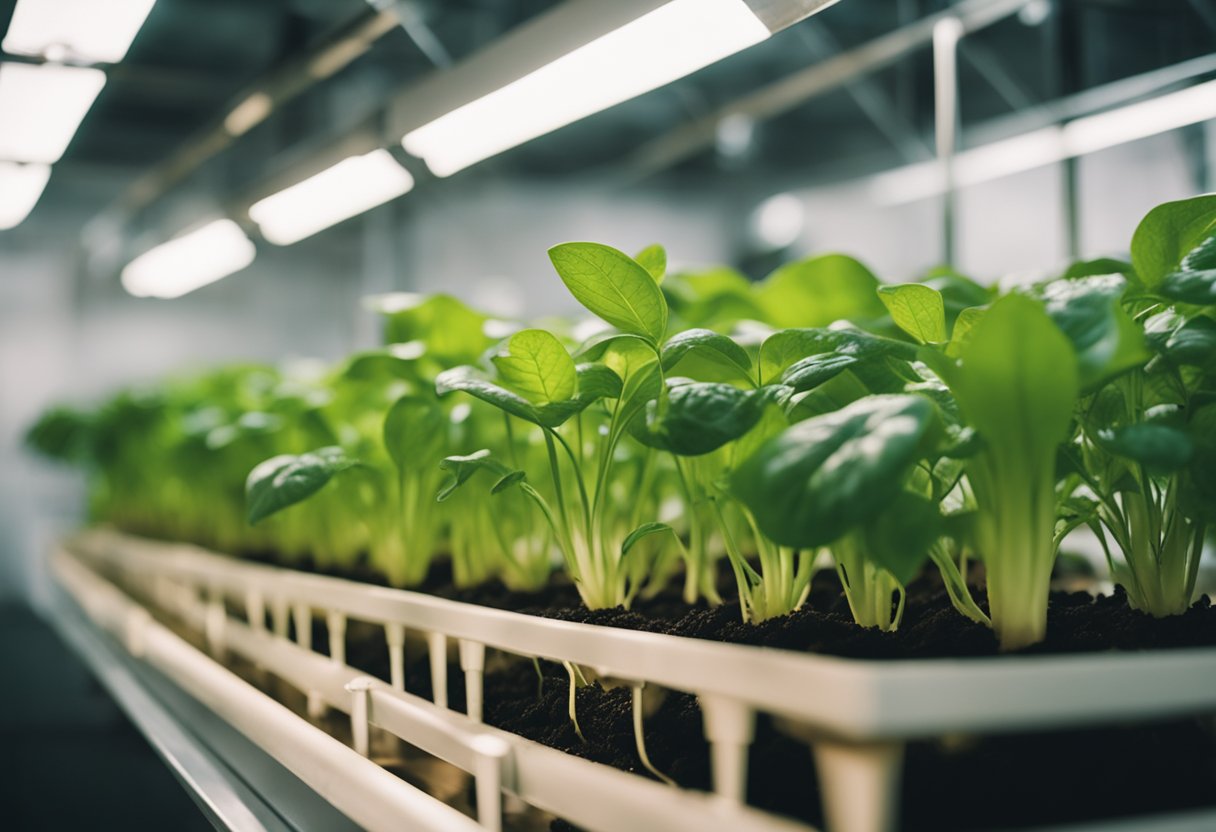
{"x":655,"y":49}
{"x":20,"y":187}
{"x":1049,"y":145}
{"x":97,"y":31}
{"x":41,"y":107}
{"x":190,"y":261}
{"x":354,"y":185}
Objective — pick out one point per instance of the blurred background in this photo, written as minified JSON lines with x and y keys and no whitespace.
{"x":1073,"y":118}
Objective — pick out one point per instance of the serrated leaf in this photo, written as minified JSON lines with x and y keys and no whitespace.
{"x":534,"y":363}
{"x":285,"y":480}
{"x":826,"y":476}
{"x":917,"y":310}
{"x":613,"y":286}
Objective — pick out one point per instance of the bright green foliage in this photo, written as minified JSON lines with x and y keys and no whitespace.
{"x":1016,"y":383}
{"x":918,"y":310}
{"x":285,"y":480}
{"x":820,"y":482}
{"x":1140,"y":468}
{"x":613,"y":286}
{"x":712,"y":424}
{"x":820,"y":291}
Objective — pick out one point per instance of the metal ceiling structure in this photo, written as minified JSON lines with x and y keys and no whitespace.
{"x":160,"y":122}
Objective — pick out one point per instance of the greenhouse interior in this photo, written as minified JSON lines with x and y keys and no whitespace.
{"x":608,"y":415}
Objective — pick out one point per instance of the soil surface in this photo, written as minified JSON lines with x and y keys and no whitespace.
{"x":955,"y":783}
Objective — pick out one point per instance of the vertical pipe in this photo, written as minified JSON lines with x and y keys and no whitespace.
{"x":946,"y":35}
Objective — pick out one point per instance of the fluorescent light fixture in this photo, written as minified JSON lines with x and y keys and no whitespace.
{"x":654,"y":49}
{"x":350,"y":187}
{"x":190,"y":261}
{"x":98,"y":31}
{"x":41,"y":107}
{"x":1049,"y":145}
{"x":248,"y":114}
{"x":20,"y":187}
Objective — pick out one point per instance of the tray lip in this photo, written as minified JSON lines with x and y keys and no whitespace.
{"x":861,"y":699}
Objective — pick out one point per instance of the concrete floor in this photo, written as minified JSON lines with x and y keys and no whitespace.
{"x":69,"y":759}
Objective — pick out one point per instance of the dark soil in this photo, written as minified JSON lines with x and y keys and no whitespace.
{"x":953,"y":783}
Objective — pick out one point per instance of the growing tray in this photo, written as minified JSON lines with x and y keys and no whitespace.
{"x":856,"y":715}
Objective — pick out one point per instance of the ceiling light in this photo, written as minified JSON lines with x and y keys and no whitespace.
{"x":1049,"y":145}
{"x":350,"y":187}
{"x":41,"y":107}
{"x":248,"y":114}
{"x":20,"y":187}
{"x":190,"y":261}
{"x":98,"y":31}
{"x":634,"y":56}
{"x":778,"y":222}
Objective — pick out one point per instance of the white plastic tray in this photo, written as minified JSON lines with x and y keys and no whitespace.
{"x":856,"y":714}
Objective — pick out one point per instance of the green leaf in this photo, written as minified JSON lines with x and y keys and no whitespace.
{"x":1198,"y":496}
{"x":1099,"y":266}
{"x":463,"y":468}
{"x":784,"y":348}
{"x":820,"y":291}
{"x":1192,"y":344}
{"x":815,"y":370}
{"x":1194,"y":287}
{"x":898,"y":539}
{"x":1158,"y":448}
{"x":824,"y":477}
{"x":393,"y":361}
{"x":414,"y":432}
{"x":709,"y":344}
{"x":653,"y":259}
{"x":452,"y":332}
{"x":643,"y":531}
{"x":700,"y":417}
{"x":1168,"y":233}
{"x":1089,"y":311}
{"x":533,"y":362}
{"x":964,"y":325}
{"x":917,"y":310}
{"x":285,"y":480}
{"x":1017,"y":381}
{"x":596,"y":381}
{"x":613,"y":286}
{"x":550,"y":415}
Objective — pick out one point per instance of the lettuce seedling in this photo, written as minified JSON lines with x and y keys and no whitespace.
{"x":1015,"y":378}
{"x":838,"y":481}
{"x":1143,"y":459}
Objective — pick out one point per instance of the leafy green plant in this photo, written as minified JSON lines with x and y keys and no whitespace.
{"x":1141,"y":466}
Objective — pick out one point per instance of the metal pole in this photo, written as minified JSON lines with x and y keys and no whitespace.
{"x":946,"y":35}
